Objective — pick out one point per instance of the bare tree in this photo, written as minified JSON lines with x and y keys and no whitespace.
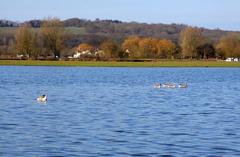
{"x":24,"y":43}
{"x":230,"y":45}
{"x":190,"y":39}
{"x":110,"y":49}
{"x":52,"y":33}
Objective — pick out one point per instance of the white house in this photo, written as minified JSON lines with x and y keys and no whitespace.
{"x":236,"y":60}
{"x":79,"y":54}
{"x":232,"y":60}
{"x":19,"y":56}
{"x":229,"y":59}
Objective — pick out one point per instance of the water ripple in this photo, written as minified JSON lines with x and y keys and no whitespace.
{"x":117,"y":112}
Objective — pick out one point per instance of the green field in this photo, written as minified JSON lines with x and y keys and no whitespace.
{"x":8,"y":31}
{"x":75,"y":30}
{"x":120,"y":64}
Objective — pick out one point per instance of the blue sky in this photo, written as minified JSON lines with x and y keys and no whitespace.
{"x":223,"y":14}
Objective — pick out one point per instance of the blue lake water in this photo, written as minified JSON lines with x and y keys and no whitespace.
{"x":117,"y":112}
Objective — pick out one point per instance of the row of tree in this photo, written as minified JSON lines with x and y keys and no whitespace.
{"x":50,"y":39}
{"x":149,"y":47}
{"x":47,"y":41}
{"x":192,"y":44}
{"x":195,"y":45}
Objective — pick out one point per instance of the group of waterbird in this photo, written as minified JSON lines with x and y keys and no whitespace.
{"x":170,"y":85}
{"x":43,"y":98}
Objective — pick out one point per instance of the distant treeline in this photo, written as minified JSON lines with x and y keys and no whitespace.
{"x":115,"y":29}
{"x":115,"y":39}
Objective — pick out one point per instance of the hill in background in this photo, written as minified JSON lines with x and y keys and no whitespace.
{"x":96,"y":31}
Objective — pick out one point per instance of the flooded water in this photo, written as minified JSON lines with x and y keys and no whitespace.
{"x":117,"y":112}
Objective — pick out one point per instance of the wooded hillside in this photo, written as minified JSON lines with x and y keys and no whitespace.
{"x":78,"y":31}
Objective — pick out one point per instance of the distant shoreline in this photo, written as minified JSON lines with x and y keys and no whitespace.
{"x":174,"y":63}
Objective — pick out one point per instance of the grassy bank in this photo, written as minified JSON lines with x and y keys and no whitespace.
{"x":121,"y":64}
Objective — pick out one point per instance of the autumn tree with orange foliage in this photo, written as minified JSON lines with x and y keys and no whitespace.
{"x":84,"y":47}
{"x":166,"y":49}
{"x":131,"y":46}
{"x":147,"y":47}
{"x":110,"y":49}
{"x":229,"y":45}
